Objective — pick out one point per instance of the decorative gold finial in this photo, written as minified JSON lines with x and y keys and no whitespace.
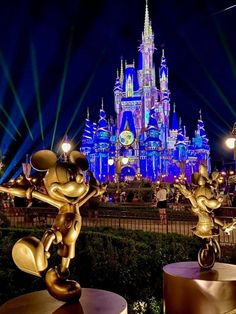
{"x":88,"y":113}
{"x":180,"y":122}
{"x":146,"y":21}
{"x":200,"y":114}
{"x":121,"y":70}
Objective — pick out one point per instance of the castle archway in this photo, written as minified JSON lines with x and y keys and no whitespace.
{"x":127,"y":173}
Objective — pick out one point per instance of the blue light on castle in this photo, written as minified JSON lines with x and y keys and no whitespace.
{"x":146,"y":140}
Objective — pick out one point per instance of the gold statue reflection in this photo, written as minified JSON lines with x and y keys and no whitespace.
{"x":66,"y":190}
{"x":205,"y":198}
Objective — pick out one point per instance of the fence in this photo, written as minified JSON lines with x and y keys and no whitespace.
{"x":114,"y":218}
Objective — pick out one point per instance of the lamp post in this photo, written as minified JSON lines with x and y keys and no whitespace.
{"x":231,"y":143}
{"x":26,"y":166}
{"x":66,"y":147}
{"x":117,"y":165}
{"x":110,"y":163}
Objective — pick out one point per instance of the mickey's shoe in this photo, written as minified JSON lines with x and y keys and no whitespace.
{"x":62,"y":288}
{"x":29,"y":255}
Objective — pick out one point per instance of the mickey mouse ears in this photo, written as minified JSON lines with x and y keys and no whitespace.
{"x":45,"y":159}
{"x":79,"y":159}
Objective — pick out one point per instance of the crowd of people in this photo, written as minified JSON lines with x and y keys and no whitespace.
{"x":160,"y":196}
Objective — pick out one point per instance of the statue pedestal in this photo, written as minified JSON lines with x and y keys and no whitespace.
{"x":187,"y":289}
{"x":92,"y":301}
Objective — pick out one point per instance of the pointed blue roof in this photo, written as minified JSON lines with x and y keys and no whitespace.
{"x":174,"y":122}
{"x":163,"y":71}
{"x":152,"y":120}
{"x":117,"y":86}
{"x":201,"y":130}
{"x":94,"y":127}
{"x":88,"y":131}
{"x":102,"y":122}
{"x":152,"y":130}
{"x":102,"y":131}
{"x":130,"y":71}
{"x":128,"y":122}
{"x":180,"y":137}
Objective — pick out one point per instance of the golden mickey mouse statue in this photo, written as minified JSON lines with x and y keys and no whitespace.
{"x":204,"y":198}
{"x":66,"y":190}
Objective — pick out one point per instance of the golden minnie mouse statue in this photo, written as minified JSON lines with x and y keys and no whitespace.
{"x":66,"y":190}
{"x":205,"y":198}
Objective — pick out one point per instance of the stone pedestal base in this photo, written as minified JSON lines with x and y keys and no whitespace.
{"x":187,"y":289}
{"x":92,"y":301}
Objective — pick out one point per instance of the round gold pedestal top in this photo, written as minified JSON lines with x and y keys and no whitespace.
{"x":191,"y":270}
{"x":92,"y":301}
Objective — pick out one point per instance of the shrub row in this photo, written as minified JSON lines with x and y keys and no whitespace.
{"x":126,"y":262}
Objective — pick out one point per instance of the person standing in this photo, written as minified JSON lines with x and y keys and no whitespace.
{"x":161,"y":197}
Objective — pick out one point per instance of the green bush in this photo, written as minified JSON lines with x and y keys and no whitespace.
{"x":126,"y":262}
{"x":4,"y":221}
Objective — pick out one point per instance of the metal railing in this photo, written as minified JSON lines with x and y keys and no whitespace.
{"x":114,"y":218}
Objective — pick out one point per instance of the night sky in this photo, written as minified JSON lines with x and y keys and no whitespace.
{"x":59,"y":57}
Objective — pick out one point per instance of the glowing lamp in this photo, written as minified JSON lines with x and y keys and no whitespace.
{"x":66,"y":147}
{"x":110,"y":161}
{"x":125,"y":160}
{"x":230,"y":142}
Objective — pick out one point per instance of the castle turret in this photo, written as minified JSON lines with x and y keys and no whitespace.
{"x":163,"y":73}
{"x":181,"y":147}
{"x":130,"y":82}
{"x":87,"y":136}
{"x":102,"y":145}
{"x":147,"y":49}
{"x":153,"y":147}
{"x":200,"y":144}
{"x":173,"y":132}
{"x":146,"y":73}
{"x":117,"y":96}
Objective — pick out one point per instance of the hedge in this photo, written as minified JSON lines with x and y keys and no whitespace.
{"x":126,"y":262}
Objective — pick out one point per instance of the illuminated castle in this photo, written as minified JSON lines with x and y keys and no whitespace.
{"x":146,"y":140}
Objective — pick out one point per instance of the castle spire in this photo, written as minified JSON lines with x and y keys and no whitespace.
{"x":163,"y":72}
{"x":88,"y":113}
{"x":102,"y":105}
{"x":201,"y":127}
{"x":180,"y":122}
{"x":147,"y":24}
{"x":121,"y":71}
{"x":174,"y":122}
{"x":200,"y":114}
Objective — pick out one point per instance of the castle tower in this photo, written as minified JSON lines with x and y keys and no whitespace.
{"x":153,"y":147}
{"x":200,"y":144}
{"x":102,"y":147}
{"x":164,"y":98}
{"x":146,"y":78}
{"x":143,"y":140}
